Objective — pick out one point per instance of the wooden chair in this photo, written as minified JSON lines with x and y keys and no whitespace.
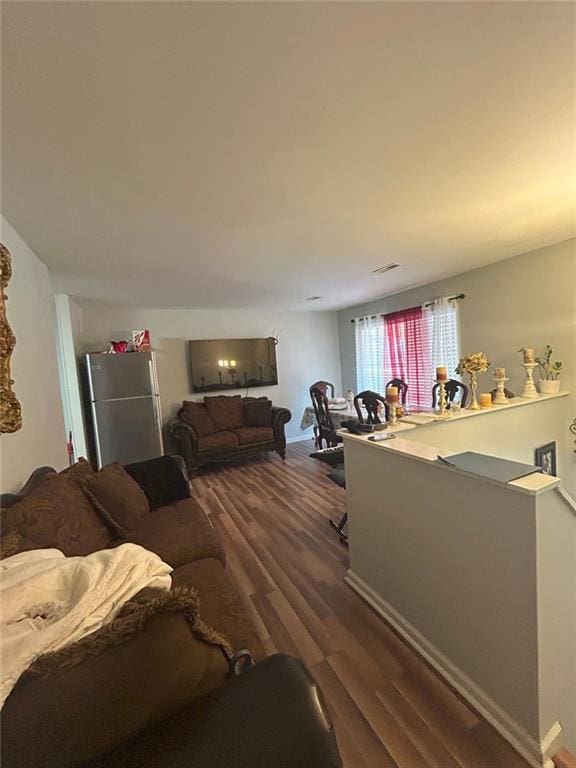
{"x":452,"y":386}
{"x":509,"y":394}
{"x":370,"y":401}
{"x":402,"y":388}
{"x":324,"y":427}
{"x":324,"y":386}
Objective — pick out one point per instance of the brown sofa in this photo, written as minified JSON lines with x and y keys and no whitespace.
{"x":62,"y":712}
{"x":225,"y":428}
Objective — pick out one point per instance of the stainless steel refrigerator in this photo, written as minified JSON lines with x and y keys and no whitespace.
{"x":124,"y":407}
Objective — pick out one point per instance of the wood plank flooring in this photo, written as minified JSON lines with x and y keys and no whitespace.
{"x":389,"y":709}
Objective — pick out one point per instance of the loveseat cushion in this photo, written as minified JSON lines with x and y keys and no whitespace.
{"x":258,"y":411}
{"x":220,"y":604}
{"x":227,"y":411}
{"x":117,"y":496}
{"x":218,"y":441}
{"x":247,"y":435}
{"x":196,"y":415}
{"x":179,"y":534}
{"x":57,"y":514}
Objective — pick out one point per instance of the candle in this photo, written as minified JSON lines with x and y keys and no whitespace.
{"x":485,"y":400}
{"x":500,"y":373}
{"x":528,"y":355}
{"x":442,"y":373}
{"x":392,"y":394}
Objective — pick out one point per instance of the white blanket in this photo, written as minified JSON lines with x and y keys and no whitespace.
{"x":48,"y":601}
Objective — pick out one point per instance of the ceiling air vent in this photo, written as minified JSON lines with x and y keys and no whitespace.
{"x":385,"y":268}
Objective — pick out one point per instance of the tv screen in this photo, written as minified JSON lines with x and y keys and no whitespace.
{"x":218,"y":364}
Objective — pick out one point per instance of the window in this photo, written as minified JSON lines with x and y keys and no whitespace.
{"x":408,"y":345}
{"x":369,"y":353}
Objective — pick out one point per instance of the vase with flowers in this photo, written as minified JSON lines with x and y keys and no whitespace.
{"x":473,"y":365}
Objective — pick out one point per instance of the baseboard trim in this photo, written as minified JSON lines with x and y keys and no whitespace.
{"x":537,"y":753}
{"x":298,"y":439}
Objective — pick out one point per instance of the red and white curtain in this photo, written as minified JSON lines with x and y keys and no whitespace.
{"x":407,"y":354}
{"x":408,"y":345}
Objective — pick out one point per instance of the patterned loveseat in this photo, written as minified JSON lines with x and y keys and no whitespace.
{"x":225,"y":428}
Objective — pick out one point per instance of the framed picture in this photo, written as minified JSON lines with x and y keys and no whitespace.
{"x":545,"y":457}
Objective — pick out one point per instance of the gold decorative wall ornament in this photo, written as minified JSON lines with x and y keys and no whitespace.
{"x":10,"y":409}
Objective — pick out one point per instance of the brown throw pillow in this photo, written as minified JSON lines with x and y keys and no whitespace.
{"x":258,"y":411}
{"x":79,"y":471}
{"x":117,"y":497}
{"x":196,"y":415}
{"x":226,"y":410}
{"x":57,"y":514}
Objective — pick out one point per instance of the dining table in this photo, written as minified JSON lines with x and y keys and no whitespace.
{"x":338,"y":412}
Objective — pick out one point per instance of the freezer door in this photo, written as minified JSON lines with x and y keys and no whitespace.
{"x":115,"y":376}
{"x":127,"y":430}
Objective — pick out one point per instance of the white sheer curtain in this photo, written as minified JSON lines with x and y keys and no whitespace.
{"x":443,"y":325}
{"x":369,"y":353}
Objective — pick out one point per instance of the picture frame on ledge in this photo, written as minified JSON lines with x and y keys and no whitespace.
{"x":545,"y":457}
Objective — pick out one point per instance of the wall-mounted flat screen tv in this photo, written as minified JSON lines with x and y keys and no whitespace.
{"x":218,"y":364}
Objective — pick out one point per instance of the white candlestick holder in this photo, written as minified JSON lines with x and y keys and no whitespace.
{"x":443,"y":411}
{"x":529,"y":392}
{"x":500,"y":398}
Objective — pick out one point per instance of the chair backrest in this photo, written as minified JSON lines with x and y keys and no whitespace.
{"x":402,"y":388}
{"x":370,"y":400}
{"x":509,"y":394}
{"x":452,"y":387}
{"x":324,"y":386}
{"x":321,"y":410}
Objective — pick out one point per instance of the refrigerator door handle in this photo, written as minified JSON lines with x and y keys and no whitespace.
{"x":96,"y":435}
{"x":153,"y":377}
{"x":157,"y":413}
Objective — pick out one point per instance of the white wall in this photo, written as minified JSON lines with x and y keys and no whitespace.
{"x":529,"y":300}
{"x":307,"y":350}
{"x":478,"y":576}
{"x":68,"y":335}
{"x":42,"y":439}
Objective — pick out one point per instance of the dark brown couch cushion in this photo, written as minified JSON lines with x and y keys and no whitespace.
{"x":258,"y":411}
{"x":220,"y":605}
{"x":218,"y":441}
{"x":71,"y":716}
{"x":58,"y":514}
{"x":162,"y":479}
{"x":196,"y":416}
{"x":227,"y":411}
{"x":179,"y":533}
{"x":247,"y":435}
{"x":113,"y":492}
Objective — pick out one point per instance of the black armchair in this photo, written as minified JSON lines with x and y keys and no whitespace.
{"x":270,"y":716}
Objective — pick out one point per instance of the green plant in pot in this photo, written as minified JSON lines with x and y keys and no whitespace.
{"x":550,"y":372}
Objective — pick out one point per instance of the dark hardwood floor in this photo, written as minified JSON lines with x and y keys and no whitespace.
{"x":389,"y":709}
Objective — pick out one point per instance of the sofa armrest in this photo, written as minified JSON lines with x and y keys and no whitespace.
{"x":184,"y":434}
{"x":72,"y":715}
{"x":187,"y":440}
{"x":280,"y":417}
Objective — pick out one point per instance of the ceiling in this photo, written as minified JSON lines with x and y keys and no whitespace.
{"x":254,"y":154}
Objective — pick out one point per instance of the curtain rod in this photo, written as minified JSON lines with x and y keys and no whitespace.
{"x":427,"y":304}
